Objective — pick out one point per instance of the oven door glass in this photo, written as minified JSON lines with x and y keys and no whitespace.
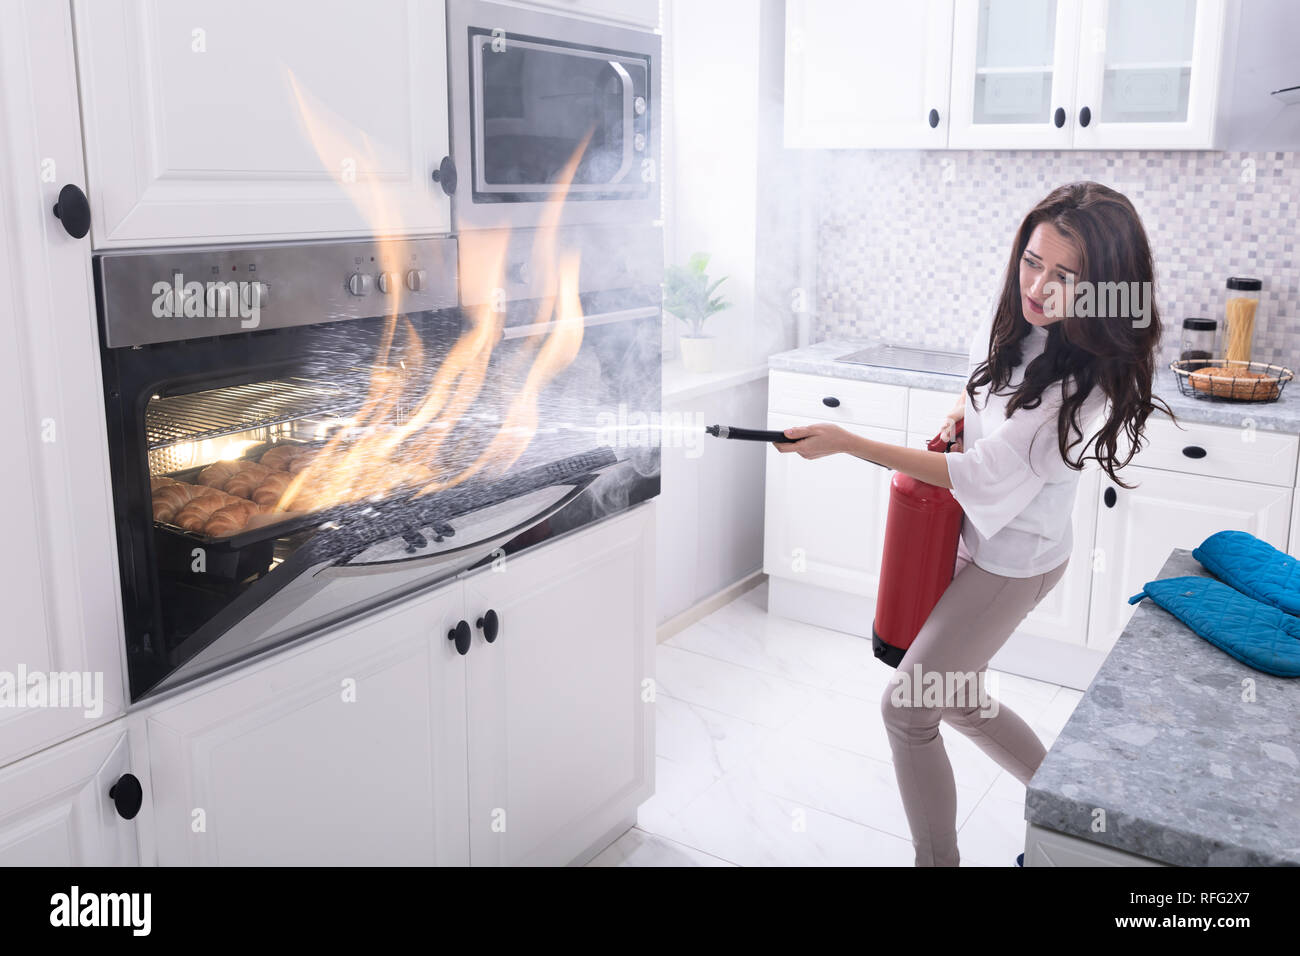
{"x":535,"y":104}
{"x":325,"y":517}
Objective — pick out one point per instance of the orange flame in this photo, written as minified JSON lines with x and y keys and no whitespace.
{"x":391,"y":453}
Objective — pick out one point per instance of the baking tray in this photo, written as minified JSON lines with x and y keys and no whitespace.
{"x":396,"y":513}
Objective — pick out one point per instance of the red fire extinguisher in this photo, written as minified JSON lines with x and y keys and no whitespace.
{"x":921,"y":534}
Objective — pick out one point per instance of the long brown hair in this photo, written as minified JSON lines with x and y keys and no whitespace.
{"x":1113,"y":353}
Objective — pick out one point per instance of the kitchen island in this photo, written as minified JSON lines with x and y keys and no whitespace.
{"x":1185,"y":755}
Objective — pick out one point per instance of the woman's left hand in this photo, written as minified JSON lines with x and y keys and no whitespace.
{"x":818,"y":441}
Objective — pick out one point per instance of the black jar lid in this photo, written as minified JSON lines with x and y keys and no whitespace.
{"x":1244,"y":284}
{"x":1200,"y":324}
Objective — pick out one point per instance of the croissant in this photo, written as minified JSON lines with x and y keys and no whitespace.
{"x":301,"y":461}
{"x":270,"y":490}
{"x":278,"y":457}
{"x":196,"y":514}
{"x":161,"y":482}
{"x":231,"y":518}
{"x":169,"y":499}
{"x":250,"y":475}
{"x":218,"y":473}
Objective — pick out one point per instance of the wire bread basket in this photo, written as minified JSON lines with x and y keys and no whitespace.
{"x":1230,"y":380}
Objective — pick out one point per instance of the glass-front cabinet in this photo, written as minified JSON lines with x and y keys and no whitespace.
{"x":1149,"y":73}
{"x":1014,"y":65}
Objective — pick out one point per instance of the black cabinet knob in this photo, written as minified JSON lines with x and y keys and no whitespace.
{"x":831,"y":401}
{"x":1110,"y":497}
{"x":127,"y":796}
{"x":934,"y":119}
{"x":1058,"y":118}
{"x":1085,"y":116}
{"x":460,"y":635}
{"x":1194,"y":451}
{"x":488,"y":624}
{"x":445,"y":175}
{"x":73,"y":210}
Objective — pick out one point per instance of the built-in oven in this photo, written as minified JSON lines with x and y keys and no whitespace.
{"x":301,"y":433}
{"x":547,"y":107}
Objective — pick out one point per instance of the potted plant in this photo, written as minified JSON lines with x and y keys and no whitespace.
{"x":688,"y":294}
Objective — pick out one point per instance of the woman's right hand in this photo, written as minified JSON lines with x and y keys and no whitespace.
{"x":949,"y":427}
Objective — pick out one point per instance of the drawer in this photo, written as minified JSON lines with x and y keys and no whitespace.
{"x":926,"y":408}
{"x":862,"y":403}
{"x":1195,"y":448}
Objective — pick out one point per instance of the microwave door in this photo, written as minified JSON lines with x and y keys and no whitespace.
{"x":317,"y":587}
{"x":535,"y":104}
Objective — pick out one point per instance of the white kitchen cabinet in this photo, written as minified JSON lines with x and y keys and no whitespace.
{"x":346,"y":750}
{"x":1136,"y":529}
{"x":561,"y":709}
{"x":640,"y":12}
{"x":1152,"y":75}
{"x":1013,"y":74}
{"x":825,"y":518}
{"x":240,"y":120}
{"x":380,"y":744}
{"x":870,"y":74}
{"x":61,"y":607}
{"x":56,"y":809}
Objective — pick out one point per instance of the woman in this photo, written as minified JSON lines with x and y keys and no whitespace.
{"x":1044,"y":368}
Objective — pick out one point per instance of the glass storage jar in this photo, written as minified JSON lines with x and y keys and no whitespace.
{"x":1239,"y":329}
{"x":1198,"y":340}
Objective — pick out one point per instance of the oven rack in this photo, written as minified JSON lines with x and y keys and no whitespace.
{"x":198,"y":416}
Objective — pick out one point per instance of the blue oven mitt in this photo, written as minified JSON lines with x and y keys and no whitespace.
{"x":1257,"y":634}
{"x":1253,"y":567}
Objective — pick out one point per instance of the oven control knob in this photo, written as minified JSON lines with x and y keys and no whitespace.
{"x":638,"y":105}
{"x":359,"y":284}
{"x":387,"y":282}
{"x":638,"y":142}
{"x":416,"y":280}
{"x":256,"y":295}
{"x":219,"y":299}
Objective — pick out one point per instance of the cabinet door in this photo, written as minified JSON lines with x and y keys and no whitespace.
{"x":349,"y":749}
{"x":867,"y":74}
{"x":1137,"y":529}
{"x":825,"y":519}
{"x":1013,"y":72}
{"x":1062,"y":615}
{"x":56,"y":809}
{"x":561,"y":731}
{"x":1150,"y":74}
{"x":244,"y":120}
{"x":58,"y":565}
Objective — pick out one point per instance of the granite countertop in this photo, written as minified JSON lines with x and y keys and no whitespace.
{"x":1282,"y":415}
{"x":1188,"y":772}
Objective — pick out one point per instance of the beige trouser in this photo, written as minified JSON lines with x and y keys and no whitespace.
{"x":974,"y":617}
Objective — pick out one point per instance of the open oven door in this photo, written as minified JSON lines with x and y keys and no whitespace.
{"x":317,"y":588}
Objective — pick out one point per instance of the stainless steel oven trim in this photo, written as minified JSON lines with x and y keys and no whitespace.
{"x":616,"y":62}
{"x":601,"y":318}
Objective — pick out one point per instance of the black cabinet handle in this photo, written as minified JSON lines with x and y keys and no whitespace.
{"x":1058,"y":118}
{"x":1194,"y":451}
{"x":73,"y":210}
{"x":1110,"y":497}
{"x":934,"y":119}
{"x":127,"y":796}
{"x":460,"y":634}
{"x":831,"y":402}
{"x":1085,"y":116}
{"x":445,"y":175}
{"x":488,"y":625}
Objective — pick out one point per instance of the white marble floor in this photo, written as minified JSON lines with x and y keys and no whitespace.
{"x":770,"y":750}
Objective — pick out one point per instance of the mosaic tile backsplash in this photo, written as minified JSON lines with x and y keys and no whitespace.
{"x":912,"y":245}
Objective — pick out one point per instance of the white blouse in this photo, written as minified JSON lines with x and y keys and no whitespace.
{"x":1015,"y":488}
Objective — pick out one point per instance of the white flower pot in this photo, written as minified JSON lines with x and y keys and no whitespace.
{"x":697,"y":353}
